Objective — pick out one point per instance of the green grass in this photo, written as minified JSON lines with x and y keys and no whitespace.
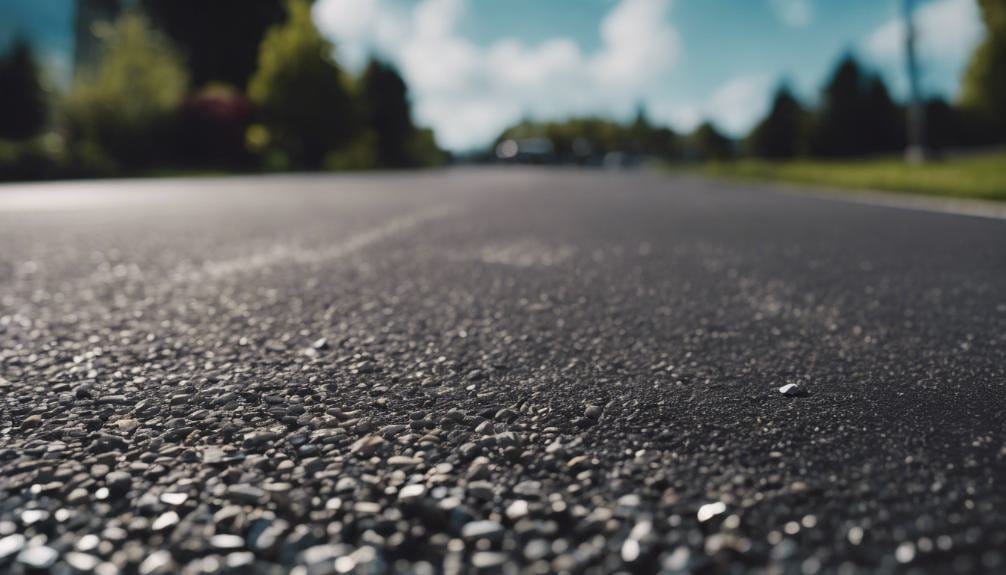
{"x":980,"y":176}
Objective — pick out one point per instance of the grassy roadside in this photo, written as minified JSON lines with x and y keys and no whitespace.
{"x":982,"y":176}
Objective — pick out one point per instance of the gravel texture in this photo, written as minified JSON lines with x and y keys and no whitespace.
{"x":496,"y":371}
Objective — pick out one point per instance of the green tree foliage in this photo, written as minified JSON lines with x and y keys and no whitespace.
{"x":837,"y":128}
{"x":943,"y":125}
{"x":709,"y":144}
{"x":23,"y":106}
{"x":125,"y":107}
{"x":983,"y":89}
{"x":648,"y":139}
{"x":424,"y":151}
{"x":359,"y":154}
{"x":857,"y":116}
{"x":303,"y":95}
{"x":219,"y":38}
{"x":883,"y":121}
{"x":780,"y":134}
{"x":385,"y":105}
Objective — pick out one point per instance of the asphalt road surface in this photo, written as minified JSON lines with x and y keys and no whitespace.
{"x":498,"y":370}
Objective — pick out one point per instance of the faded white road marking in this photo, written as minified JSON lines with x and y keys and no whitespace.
{"x":283,"y":254}
{"x":527,"y":252}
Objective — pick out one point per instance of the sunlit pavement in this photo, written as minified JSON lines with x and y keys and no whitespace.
{"x":507,"y":369}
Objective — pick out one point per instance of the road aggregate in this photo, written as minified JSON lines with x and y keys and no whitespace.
{"x":499,"y":371}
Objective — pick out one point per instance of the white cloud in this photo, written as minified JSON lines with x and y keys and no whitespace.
{"x":734,"y":107}
{"x":739,"y":103}
{"x":685,"y":117}
{"x":521,"y":67}
{"x":468,"y":93}
{"x":437,"y":18}
{"x":359,"y":27}
{"x":793,"y":13}
{"x":466,"y":122}
{"x":947,"y":31}
{"x":639,"y":46}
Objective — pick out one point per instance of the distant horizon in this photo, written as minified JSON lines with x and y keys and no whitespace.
{"x":474,"y":68}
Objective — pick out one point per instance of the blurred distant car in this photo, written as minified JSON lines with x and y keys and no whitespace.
{"x":527,"y":151}
{"x":618,"y":160}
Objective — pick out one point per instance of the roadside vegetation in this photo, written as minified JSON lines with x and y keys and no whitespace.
{"x":853,"y":135}
{"x":166,"y":94}
{"x":162,"y":93}
{"x":981,"y":176}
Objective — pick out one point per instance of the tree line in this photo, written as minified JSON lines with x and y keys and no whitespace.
{"x":263,"y":92}
{"x":854,"y":117}
{"x":173,"y":91}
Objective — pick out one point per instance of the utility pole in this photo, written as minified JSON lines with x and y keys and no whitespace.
{"x":915,"y":153}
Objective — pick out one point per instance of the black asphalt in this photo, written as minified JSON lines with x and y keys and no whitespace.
{"x":502,"y":370}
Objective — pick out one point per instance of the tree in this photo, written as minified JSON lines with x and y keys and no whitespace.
{"x":126,"y":105}
{"x":302,"y":93}
{"x":23,"y":107}
{"x":983,"y":88}
{"x":424,"y":151}
{"x":779,"y":135}
{"x":943,"y":129}
{"x":857,"y":116}
{"x":647,"y":139}
{"x":837,"y":128}
{"x":219,"y":38}
{"x":384,"y":99}
{"x":883,"y":121}
{"x":708,"y":143}
{"x":637,"y":135}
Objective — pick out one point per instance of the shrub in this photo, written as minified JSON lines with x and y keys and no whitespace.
{"x":302,"y":93}
{"x":213,"y":124}
{"x":125,"y":106}
{"x":360,"y":154}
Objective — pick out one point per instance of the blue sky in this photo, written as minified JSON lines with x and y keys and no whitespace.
{"x":475,"y":66}
{"x":48,"y":24}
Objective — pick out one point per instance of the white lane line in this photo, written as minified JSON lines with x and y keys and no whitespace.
{"x":524,"y":253}
{"x":283,"y":254}
{"x":77,"y":196}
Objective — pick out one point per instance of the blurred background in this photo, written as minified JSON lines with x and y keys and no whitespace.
{"x":882,"y":93}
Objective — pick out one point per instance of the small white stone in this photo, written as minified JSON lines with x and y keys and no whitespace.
{"x":165,"y":520}
{"x":39,"y":557}
{"x":174,"y":498}
{"x":227,"y":542}
{"x":710,"y":510}
{"x":905,"y":552}
{"x":411,"y":492}
{"x":517,"y":509}
{"x":791,"y":390}
{"x":156,"y":562}
{"x":630,"y":550}
{"x":83,"y":562}
{"x":11,"y":544}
